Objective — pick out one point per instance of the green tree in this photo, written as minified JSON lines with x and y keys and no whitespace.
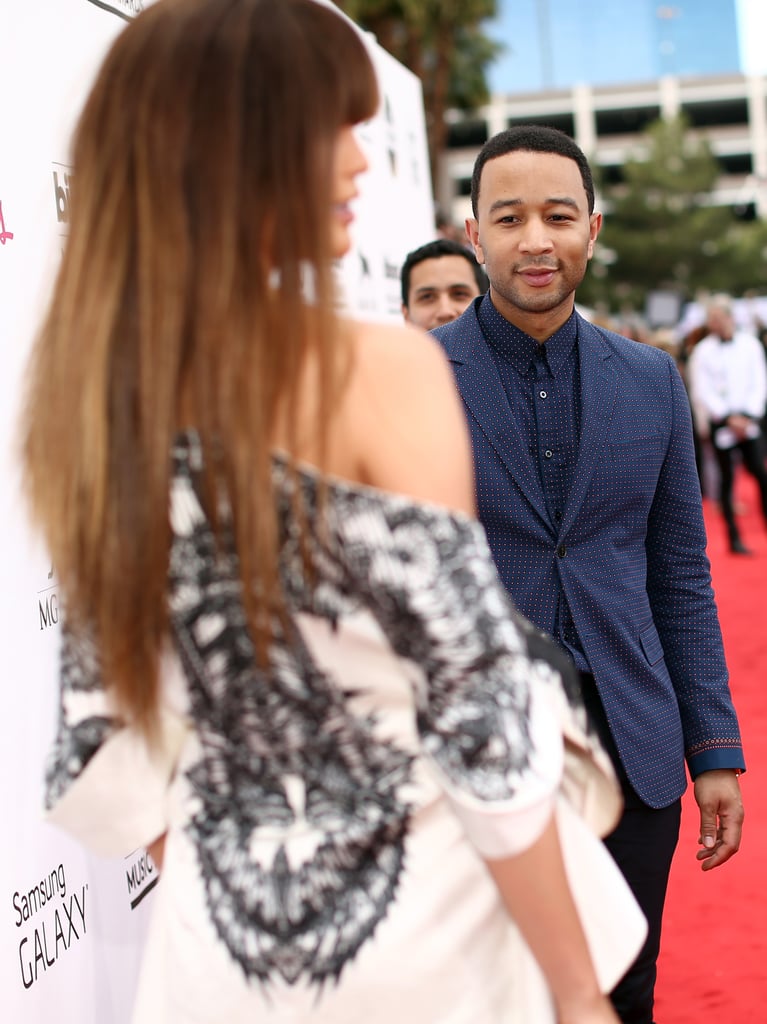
{"x":443,"y":43}
{"x":662,"y":232}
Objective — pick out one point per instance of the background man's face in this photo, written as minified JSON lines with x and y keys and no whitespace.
{"x":440,"y":290}
{"x":720,"y":322}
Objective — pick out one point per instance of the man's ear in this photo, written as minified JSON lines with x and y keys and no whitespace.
{"x":472,"y":233}
{"x":595,"y":226}
{"x":405,"y":313}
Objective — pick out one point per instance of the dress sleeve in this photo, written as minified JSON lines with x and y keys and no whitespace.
{"x":103,"y":784}
{"x":486,"y":724}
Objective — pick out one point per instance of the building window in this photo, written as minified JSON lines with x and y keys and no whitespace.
{"x":735,"y":163}
{"x":565,"y":122}
{"x":626,"y":121}
{"x":745,"y":211}
{"x":716,"y":113}
{"x":611,"y":174}
{"x":466,"y":134}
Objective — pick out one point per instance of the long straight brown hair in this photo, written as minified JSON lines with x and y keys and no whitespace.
{"x":202,"y":192}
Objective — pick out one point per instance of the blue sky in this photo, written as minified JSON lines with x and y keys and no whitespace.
{"x":617,"y":41}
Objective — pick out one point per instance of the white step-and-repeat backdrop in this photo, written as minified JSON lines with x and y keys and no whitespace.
{"x":72,"y":925}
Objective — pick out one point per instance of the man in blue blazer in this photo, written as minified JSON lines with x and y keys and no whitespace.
{"x":587,"y":488}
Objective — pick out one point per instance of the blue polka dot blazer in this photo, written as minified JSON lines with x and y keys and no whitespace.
{"x":628,"y":552}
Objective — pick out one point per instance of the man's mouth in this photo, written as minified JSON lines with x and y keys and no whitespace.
{"x":537,"y":277}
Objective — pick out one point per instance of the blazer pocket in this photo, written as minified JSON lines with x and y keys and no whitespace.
{"x":622,"y":443}
{"x":651,"y":645}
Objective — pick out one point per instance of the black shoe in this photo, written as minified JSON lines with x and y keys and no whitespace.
{"x":737,"y":547}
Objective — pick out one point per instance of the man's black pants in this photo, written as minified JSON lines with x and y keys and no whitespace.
{"x":642,"y":846}
{"x":753,"y":462}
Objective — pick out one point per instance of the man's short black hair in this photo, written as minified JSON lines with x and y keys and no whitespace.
{"x":436,"y":250}
{"x":531,"y":138}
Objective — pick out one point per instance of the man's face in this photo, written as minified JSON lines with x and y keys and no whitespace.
{"x":535,"y":236}
{"x":720,"y":322}
{"x":440,"y":290}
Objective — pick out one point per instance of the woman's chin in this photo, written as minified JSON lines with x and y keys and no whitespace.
{"x":341,"y":247}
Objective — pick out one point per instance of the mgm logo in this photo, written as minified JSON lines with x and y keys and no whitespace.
{"x":48,"y":601}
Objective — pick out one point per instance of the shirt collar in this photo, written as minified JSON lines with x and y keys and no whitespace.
{"x":518,"y":348}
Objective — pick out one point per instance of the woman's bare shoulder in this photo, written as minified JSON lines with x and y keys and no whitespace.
{"x":392,"y":343}
{"x":405,"y":415}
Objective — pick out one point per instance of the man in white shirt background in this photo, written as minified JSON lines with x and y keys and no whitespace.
{"x":727,"y":375}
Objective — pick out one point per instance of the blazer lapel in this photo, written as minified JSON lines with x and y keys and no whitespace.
{"x":481,"y":389}
{"x":598,"y":393}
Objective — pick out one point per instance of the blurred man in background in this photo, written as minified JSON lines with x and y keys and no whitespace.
{"x":727,"y":376}
{"x":439,"y":280}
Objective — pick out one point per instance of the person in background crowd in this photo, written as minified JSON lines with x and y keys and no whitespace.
{"x":438,"y":281}
{"x":727,"y":374}
{"x":587,"y":487}
{"x":447,"y":228}
{"x":287,"y":660}
{"x":704,"y":458}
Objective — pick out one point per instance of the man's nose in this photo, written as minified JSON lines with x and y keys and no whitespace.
{"x":446,"y":309}
{"x":536,"y":237}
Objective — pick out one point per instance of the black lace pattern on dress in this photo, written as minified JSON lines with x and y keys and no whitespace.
{"x":300,"y":807}
{"x":285,"y":753}
{"x":299,"y":821}
{"x":80,"y":734}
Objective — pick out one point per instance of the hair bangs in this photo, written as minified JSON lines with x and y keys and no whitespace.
{"x":358,"y":92}
{"x":347,"y":68}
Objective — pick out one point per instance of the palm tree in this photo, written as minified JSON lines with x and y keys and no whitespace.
{"x":442,"y":42}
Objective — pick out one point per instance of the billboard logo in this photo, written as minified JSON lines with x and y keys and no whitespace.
{"x":123,"y":8}
{"x":5,"y":235}
{"x":61,"y":192}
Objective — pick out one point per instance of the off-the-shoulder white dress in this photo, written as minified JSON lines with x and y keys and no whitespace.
{"x":327,"y":821}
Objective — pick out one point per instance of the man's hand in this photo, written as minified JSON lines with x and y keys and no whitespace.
{"x":717,"y":794}
{"x":739,"y":425}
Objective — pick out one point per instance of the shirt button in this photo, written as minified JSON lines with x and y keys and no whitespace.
{"x":543,"y":394}
{"x":561,"y":551}
{"x":548,"y":453}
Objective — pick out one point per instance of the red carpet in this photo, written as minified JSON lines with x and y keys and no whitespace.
{"x":713,"y":963}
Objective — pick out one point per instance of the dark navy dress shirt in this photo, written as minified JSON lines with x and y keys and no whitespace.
{"x":542,"y":385}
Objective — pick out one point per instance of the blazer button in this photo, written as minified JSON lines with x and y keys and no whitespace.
{"x":561,"y":551}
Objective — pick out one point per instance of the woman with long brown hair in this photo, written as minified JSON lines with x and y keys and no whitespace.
{"x":286,"y":658}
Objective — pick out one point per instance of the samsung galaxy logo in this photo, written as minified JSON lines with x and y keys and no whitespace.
{"x":51,"y":920}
